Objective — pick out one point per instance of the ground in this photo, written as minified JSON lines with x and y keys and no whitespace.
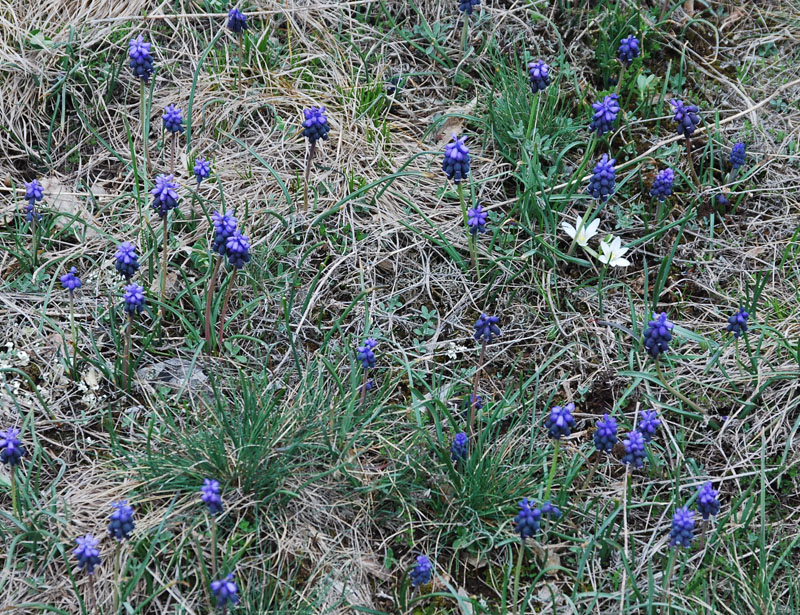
{"x":330,"y":495}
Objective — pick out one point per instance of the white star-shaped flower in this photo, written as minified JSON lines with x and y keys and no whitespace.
{"x":613,"y":253}
{"x":581,"y":233}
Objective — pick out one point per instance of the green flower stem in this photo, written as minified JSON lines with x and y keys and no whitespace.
{"x":592,"y":470}
{"x":116,"y":577}
{"x":126,"y":355}
{"x":14,"y":501}
{"x":703,"y":528}
{"x":311,"y":151}
{"x":212,"y":285}
{"x":74,"y":335}
{"x":674,"y":391}
{"x":173,"y":146}
{"x":465,"y":34}
{"x":533,"y":118}
{"x":517,"y":573}
{"x":556,"y":447}
{"x":667,"y":579}
{"x":691,"y":164}
{"x":470,"y":243}
{"x":221,"y":330}
{"x":474,"y":397}
{"x":621,"y":75}
{"x":240,"y":37}
{"x":571,"y":188}
{"x":163,"y":270}
{"x":363,"y":396}
{"x":34,"y":239}
{"x":212,"y":522}
{"x":143,"y":118}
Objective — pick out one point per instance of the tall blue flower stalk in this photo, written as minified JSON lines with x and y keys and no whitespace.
{"x":87,"y":556}
{"x":708,"y":506}
{"x":71,"y":282}
{"x":629,"y":50}
{"x":315,"y":127}
{"x":173,"y":124}
{"x":466,"y":7}
{"x":224,"y":225}
{"x":486,"y":328}
{"x":456,"y":167}
{"x":365,"y":354}
{"x":237,"y":249}
{"x":165,"y":198}
{"x":605,"y":437}
{"x":120,"y":526}
{"x":142,"y":66}
{"x":738,"y":158}
{"x":34,"y":192}
{"x":210,"y":496}
{"x":225,"y":592}
{"x":134,"y":302}
{"x":686,"y":120}
{"x":559,"y":423}
{"x":539,"y":77}
{"x":237,"y":23}
{"x":11,"y":454}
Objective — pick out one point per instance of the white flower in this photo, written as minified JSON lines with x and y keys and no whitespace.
{"x":580,"y":233}
{"x":613,"y":253}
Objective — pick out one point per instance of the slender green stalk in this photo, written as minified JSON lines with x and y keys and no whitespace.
{"x":311,"y":151}
{"x":212,"y":285}
{"x":116,"y":577}
{"x":92,"y":595}
{"x":667,"y":580}
{"x":213,"y":523}
{"x":552,"y":475}
{"x":74,"y":335}
{"x":532,"y":118}
{"x":517,"y":574}
{"x":126,"y":355}
{"x":621,"y":75}
{"x":465,"y":34}
{"x":674,"y":391}
{"x":691,"y":164}
{"x":240,"y":37}
{"x":592,"y":470}
{"x":474,"y":397}
{"x":34,"y":239}
{"x":14,"y":501}
{"x":143,"y":118}
{"x":473,"y":258}
{"x":221,"y":329}
{"x":163,"y":270}
{"x":703,"y":529}
{"x":173,"y":151}
{"x":363,"y":388}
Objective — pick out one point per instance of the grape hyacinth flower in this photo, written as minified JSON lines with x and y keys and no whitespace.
{"x":225,"y":591}
{"x":86,"y":553}
{"x":165,"y":195}
{"x":134,"y":299}
{"x":628,"y":49}
{"x":31,"y":213}
{"x":422,"y":571}
{"x":456,"y":159}
{"x":467,"y":6}
{"x":315,"y":127}
{"x":738,"y":157}
{"x":605,"y":114}
{"x":486,"y":328}
{"x":560,"y":421}
{"x":224,"y":227}
{"x":662,"y":186}
{"x":476,"y":220}
{"x":210,"y":496}
{"x":237,"y":21}
{"x":237,"y":249}
{"x":459,"y":449}
{"x":707,"y":502}
{"x":551,"y":510}
{"x":476,"y":401}
{"x":658,"y":335}
{"x":121,"y":523}
{"x":70,"y":280}
{"x":173,"y":119}
{"x":737,"y":324}
{"x":141,"y":62}
{"x":605,"y":435}
{"x":603,"y":179}
{"x":365,"y":353}
{"x":202,"y":169}
{"x":682,"y":532}
{"x":722,"y":201}
{"x":539,"y":75}
{"x":686,"y":117}
{"x":634,"y":450}
{"x":526,"y":523}
{"x":34,"y":192}
{"x":11,"y":454}
{"x":649,"y":424}
{"x":126,"y":260}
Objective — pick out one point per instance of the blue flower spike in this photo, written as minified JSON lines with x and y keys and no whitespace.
{"x":682,"y":532}
{"x":662,"y":186}
{"x":133,"y":298}
{"x":738,"y":156}
{"x":34,"y":192}
{"x":141,"y":62}
{"x":604,"y":115}
{"x":526,"y":523}
{"x":634,"y":450}
{"x":121,"y":523}
{"x":658,"y":335}
{"x":603,"y":179}
{"x":486,"y":328}
{"x":202,"y":169}
{"x":456,"y":159}
{"x":237,"y":248}
{"x":649,"y":424}
{"x":86,"y":553}
{"x":459,"y":449}
{"x":707,"y":502}
{"x":629,"y":49}
{"x":539,"y":75}
{"x":476,"y":220}
{"x":686,"y":117}
{"x":165,"y":194}
{"x":366,"y":353}
{"x":70,"y":280}
{"x":237,"y":21}
{"x":225,"y":591}
{"x":422,"y":571}
{"x":467,"y":6}
{"x":315,"y":125}
{"x":737,"y":323}
{"x":172,"y":119}
{"x":560,"y":422}
{"x":126,"y":260}
{"x":551,"y":510}
{"x":11,"y":449}
{"x":210,"y":496}
{"x":605,"y":434}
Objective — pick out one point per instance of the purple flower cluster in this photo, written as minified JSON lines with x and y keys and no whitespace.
{"x":209,"y":495}
{"x":225,"y":591}
{"x":459,"y":449}
{"x":86,"y":553}
{"x":224,"y":227}
{"x":141,"y":62}
{"x":486,"y":327}
{"x":682,"y":532}
{"x":172,"y":119}
{"x":658,"y":335}
{"x":605,"y":114}
{"x":707,"y":502}
{"x":476,"y":219}
{"x":70,"y":280}
{"x":662,"y":186}
{"x":560,"y":421}
{"x":11,"y":449}
{"x":603,"y":179}
{"x":456,"y":159}
{"x":133,"y":297}
{"x":237,"y":21}
{"x":634,"y":449}
{"x":237,"y":247}
{"x":422,"y":571}
{"x":315,"y":124}
{"x":466,"y":6}
{"x":737,"y":323}
{"x":126,"y":261}
{"x":628,"y":49}
{"x":202,"y":169}
{"x":605,"y":435}
{"x":686,"y":117}
{"x":165,"y":194}
{"x":738,"y":156}
{"x":366,"y":353}
{"x":649,"y":424}
{"x":526,"y":523}
{"x":539,"y":74}
{"x":34,"y":192}
{"x":121,"y":523}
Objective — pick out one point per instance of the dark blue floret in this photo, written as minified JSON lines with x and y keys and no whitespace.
{"x":551,"y":510}
{"x":315,"y":124}
{"x":605,"y":114}
{"x":603,"y":179}
{"x":486,"y":327}
{"x":126,"y":261}
{"x":456,"y":159}
{"x":738,"y":155}
{"x":237,"y":248}
{"x":707,"y":502}
{"x":539,"y":74}
{"x":133,"y":298}
{"x":86,"y":553}
{"x":737,"y":324}
{"x":682,"y":531}
{"x":658,"y":335}
{"x":202,"y":169}
{"x":476,"y":219}
{"x":11,"y":449}
{"x":209,"y":494}
{"x":421,"y":572}
{"x":560,"y":421}
{"x":628,"y":49}
{"x":34,"y":192}
{"x":366,"y":353}
{"x":722,"y":200}
{"x":466,"y":6}
{"x":459,"y":449}
{"x":165,"y":194}
{"x":649,"y":424}
{"x":237,"y":21}
{"x":605,"y":435}
{"x":634,"y":450}
{"x":686,"y":117}
{"x":476,"y":401}
{"x":30,"y":213}
{"x":121,"y":523}
{"x":526,"y":523}
{"x":70,"y":281}
{"x":225,"y":591}
{"x":662,"y":186}
{"x":141,"y":62}
{"x":224,"y":227}
{"x":173,"y":120}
